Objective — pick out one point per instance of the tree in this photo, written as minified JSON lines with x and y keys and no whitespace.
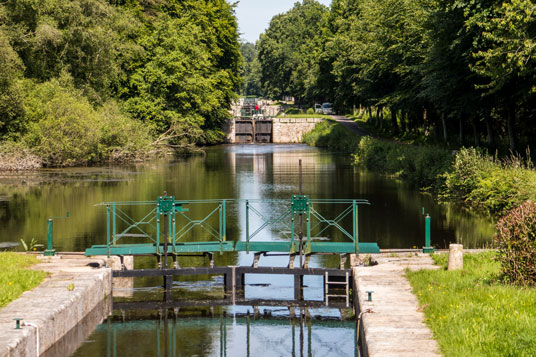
{"x":288,"y":51}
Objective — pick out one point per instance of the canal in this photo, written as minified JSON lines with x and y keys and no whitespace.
{"x":393,"y":220}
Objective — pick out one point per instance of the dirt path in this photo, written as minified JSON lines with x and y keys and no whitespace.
{"x":351,"y":125}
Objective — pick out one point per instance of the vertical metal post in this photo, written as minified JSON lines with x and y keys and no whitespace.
{"x":158,"y":229}
{"x":427,"y":248}
{"x":50,"y":249}
{"x":224,"y":221}
{"x":247,"y":335}
{"x":114,"y":227}
{"x":165,"y":240}
{"x":247,"y":226}
{"x":108,"y":229}
{"x":220,"y":223}
{"x":355,"y":227}
{"x":173,"y":225}
{"x":301,"y":218}
{"x":427,"y":230}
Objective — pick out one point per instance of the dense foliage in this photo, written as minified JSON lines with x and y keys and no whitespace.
{"x":251,"y":70}
{"x":516,"y":241}
{"x":420,"y":165}
{"x":481,"y":181}
{"x":329,"y":134}
{"x":457,"y":71}
{"x":87,"y":81}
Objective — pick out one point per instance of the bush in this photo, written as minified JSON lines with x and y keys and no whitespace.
{"x":421,"y":165}
{"x":310,"y":111}
{"x":516,"y":239}
{"x":481,"y":181}
{"x":66,"y":130}
{"x":329,"y":134}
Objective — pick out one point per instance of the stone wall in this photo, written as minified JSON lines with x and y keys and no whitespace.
{"x":291,"y":130}
{"x":229,"y":130}
{"x":284,"y":130}
{"x":52,"y":309}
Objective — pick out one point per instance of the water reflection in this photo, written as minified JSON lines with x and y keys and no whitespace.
{"x":249,"y":171}
{"x":215,"y":331}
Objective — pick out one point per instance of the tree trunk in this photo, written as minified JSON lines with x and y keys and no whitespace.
{"x":491,"y":141}
{"x":403,"y":121}
{"x":436,"y":129}
{"x":511,"y":117}
{"x":393,"y":120}
{"x":444,"y":124}
{"x":381,"y":117}
{"x":475,"y":132}
{"x":460,"y":122}
{"x":369,"y":109}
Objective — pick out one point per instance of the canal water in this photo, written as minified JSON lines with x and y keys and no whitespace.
{"x":206,"y":325}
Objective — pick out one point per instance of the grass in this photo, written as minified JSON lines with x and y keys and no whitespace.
{"x":14,"y":278}
{"x":472,"y":315}
{"x":332,"y":135}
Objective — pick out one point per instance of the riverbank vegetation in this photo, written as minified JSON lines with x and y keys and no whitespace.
{"x":93,"y":81}
{"x":471,"y":313}
{"x":453,"y":72}
{"x":331,"y":135}
{"x":15,"y":278}
{"x":469,"y":176}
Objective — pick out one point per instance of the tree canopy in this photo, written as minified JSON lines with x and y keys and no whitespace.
{"x":463,"y":71}
{"x":169,"y":68}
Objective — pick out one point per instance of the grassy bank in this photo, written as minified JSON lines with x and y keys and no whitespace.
{"x":471,"y":315}
{"x":469,"y":176}
{"x":421,"y":165}
{"x":329,"y":134}
{"x":14,"y":278}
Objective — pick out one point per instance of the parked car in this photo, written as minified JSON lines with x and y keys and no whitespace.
{"x":327,"y":109}
{"x":318,"y":108}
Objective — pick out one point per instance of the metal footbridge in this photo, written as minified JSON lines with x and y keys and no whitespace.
{"x":169,"y":226}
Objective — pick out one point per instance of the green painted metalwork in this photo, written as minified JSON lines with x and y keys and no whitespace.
{"x":427,"y":244}
{"x":126,"y":235}
{"x":50,"y":251}
{"x":316,"y":223}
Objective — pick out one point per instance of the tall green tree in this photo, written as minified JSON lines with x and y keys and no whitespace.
{"x":288,"y":51}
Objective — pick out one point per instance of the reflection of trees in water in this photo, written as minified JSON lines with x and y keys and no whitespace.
{"x":249,"y":171}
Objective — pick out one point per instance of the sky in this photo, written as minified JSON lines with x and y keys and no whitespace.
{"x":254,"y":15}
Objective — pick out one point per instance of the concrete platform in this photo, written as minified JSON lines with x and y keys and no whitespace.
{"x":55,"y":306}
{"x":392,"y":323}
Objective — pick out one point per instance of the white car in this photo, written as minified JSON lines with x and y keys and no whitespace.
{"x":327,"y":109}
{"x":318,"y":109}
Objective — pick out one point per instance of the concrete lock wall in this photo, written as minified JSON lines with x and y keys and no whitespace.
{"x":291,"y":130}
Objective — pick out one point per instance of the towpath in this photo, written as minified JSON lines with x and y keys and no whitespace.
{"x":393,"y":323}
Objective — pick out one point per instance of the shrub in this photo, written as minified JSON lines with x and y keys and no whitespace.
{"x":481,"y":181}
{"x":421,"y":165}
{"x":310,"y":111}
{"x":516,"y":239}
{"x":66,"y":130}
{"x":329,"y":134}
